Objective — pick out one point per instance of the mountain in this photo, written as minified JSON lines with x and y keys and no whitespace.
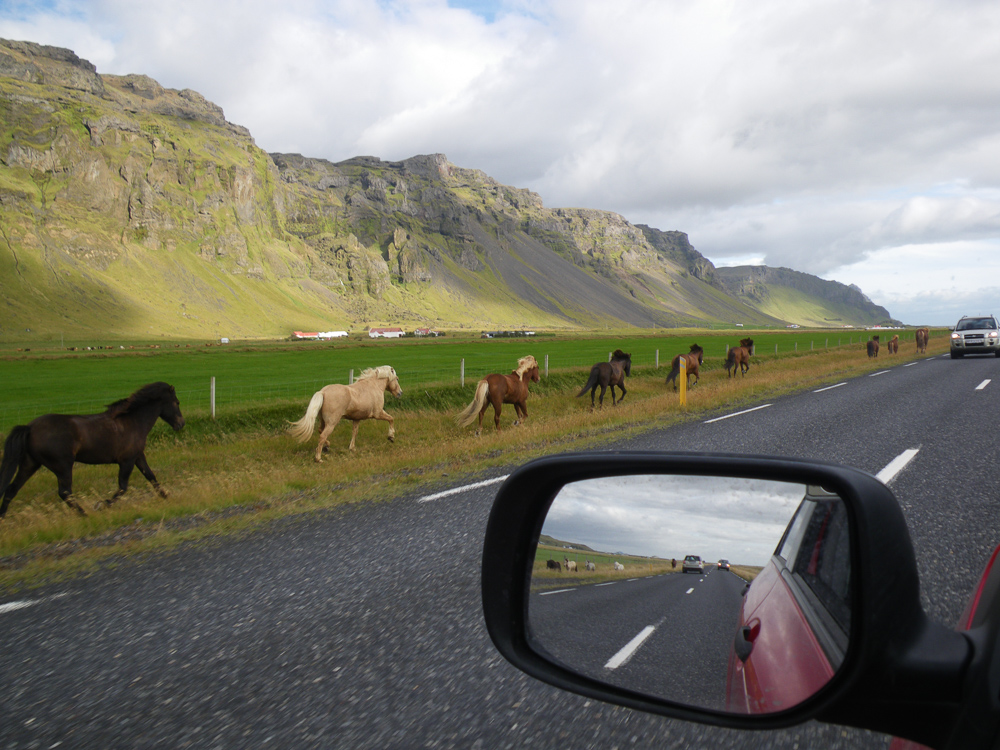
{"x":801,"y":298}
{"x":134,"y":210}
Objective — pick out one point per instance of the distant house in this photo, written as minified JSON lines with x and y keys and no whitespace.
{"x":305,"y":335}
{"x":425,"y":332}
{"x":332,"y":334}
{"x":385,"y":333}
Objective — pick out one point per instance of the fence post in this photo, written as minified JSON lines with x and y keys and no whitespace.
{"x":609,"y":356}
{"x":796,"y":346}
{"x":657,"y":359}
{"x":463,"y":372}
{"x":350,"y":378}
{"x":211,"y":398}
{"x":775,"y":348}
{"x":546,"y":365}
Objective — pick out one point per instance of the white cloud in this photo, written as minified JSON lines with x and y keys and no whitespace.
{"x":811,"y":135}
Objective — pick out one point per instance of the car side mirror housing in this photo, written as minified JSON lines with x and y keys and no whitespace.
{"x":586,"y":585}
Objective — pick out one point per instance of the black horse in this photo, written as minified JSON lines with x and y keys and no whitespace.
{"x":608,"y":375}
{"x":118,"y":436}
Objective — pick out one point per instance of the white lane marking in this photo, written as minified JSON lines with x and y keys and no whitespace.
{"x":457,"y":490}
{"x":609,"y":583}
{"x":630,"y":648}
{"x":911,"y":364}
{"x":876,"y":374}
{"x":632,"y":579}
{"x":830,"y":387}
{"x":558,"y":591}
{"x":896,"y":465}
{"x":983,"y":384}
{"x":736,"y":414}
{"x":11,"y":606}
{"x":689,"y":591}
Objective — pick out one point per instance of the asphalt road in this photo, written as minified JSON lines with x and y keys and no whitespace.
{"x":361,"y":627}
{"x":686,"y":625}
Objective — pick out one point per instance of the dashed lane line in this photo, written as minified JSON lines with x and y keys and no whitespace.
{"x":896,"y":465}
{"x":876,"y":374}
{"x":830,"y":387}
{"x":463,"y":488}
{"x":629,"y":648}
{"x":736,"y":414}
{"x":983,"y":384}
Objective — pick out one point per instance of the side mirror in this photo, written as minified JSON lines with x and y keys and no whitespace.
{"x":588,"y":585}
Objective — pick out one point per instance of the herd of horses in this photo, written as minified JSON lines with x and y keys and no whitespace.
{"x":118,"y":435}
{"x":571,"y":565}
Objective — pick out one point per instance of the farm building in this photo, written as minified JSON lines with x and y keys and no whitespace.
{"x":425,"y":332}
{"x":385,"y":333}
{"x":319,"y":334}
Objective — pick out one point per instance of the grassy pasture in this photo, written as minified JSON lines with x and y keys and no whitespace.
{"x":242,"y":467}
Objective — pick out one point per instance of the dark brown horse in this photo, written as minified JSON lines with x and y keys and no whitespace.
{"x":118,"y":436}
{"x":739,"y":356}
{"x":608,"y":375}
{"x":872,"y":346}
{"x":923,"y":334}
{"x":692,"y":362}
{"x":502,"y":389}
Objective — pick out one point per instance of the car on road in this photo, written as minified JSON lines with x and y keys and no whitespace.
{"x":723,"y":565}
{"x":977,"y":334}
{"x":692,"y":564}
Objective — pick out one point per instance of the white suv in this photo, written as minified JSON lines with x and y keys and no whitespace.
{"x":975,"y":335}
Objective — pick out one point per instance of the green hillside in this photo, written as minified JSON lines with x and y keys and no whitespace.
{"x":133,"y":211}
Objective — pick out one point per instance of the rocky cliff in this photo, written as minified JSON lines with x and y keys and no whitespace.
{"x":134,"y":210}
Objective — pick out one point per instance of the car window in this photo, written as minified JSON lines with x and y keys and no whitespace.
{"x":823,"y":559}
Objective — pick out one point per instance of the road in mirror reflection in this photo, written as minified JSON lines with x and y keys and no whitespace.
{"x":609,"y":598}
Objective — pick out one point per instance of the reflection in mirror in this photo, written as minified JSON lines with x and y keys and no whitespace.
{"x":716,"y":592}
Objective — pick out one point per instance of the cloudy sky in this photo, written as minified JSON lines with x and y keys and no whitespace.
{"x":740,"y":520}
{"x":859,"y":141}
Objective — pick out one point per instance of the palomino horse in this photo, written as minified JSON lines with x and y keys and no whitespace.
{"x":502,"y":389}
{"x":739,"y":356}
{"x":872,"y":346}
{"x":923,"y":334}
{"x":570,"y":565}
{"x":118,"y":436}
{"x":608,"y":375}
{"x":691,"y":361}
{"x":892,"y":345}
{"x":362,"y":399}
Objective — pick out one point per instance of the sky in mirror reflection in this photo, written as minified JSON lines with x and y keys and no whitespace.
{"x":670,"y":516}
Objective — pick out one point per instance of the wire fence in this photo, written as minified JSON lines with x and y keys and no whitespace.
{"x":255,"y":387}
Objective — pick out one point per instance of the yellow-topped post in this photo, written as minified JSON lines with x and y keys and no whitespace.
{"x":684,"y":381}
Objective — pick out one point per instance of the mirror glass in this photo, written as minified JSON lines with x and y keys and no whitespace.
{"x":722,"y":593}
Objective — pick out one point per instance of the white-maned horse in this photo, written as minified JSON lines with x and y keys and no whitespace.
{"x":363,"y":399}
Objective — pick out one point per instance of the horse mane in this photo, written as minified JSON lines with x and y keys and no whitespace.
{"x":152,"y":393}
{"x":619,"y":354}
{"x":524,"y":364}
{"x":746,"y":343}
{"x":382,"y":371}
{"x":695,"y":349}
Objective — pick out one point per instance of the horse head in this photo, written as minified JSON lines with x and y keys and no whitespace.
{"x":171,"y":410}
{"x":392,"y":383}
{"x":695,"y":349}
{"x":746,"y":344}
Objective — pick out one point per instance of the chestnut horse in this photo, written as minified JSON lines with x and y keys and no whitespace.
{"x":362,"y":399}
{"x":739,"y":356}
{"x":872,"y":347}
{"x":608,"y":375}
{"x":691,"y":361}
{"x":923,"y":334}
{"x":892,"y":345}
{"x":502,"y":389}
{"x":118,"y":436}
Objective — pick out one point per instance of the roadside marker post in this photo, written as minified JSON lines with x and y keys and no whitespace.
{"x":684,"y":381}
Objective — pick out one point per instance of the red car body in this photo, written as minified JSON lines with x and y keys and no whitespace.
{"x":793,"y":622}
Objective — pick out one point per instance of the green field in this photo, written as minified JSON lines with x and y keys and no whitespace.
{"x":51,"y":379}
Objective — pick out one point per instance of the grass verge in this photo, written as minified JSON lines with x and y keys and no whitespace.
{"x":233,"y":474}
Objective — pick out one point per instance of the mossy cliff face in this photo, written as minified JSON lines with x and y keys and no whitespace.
{"x":133,"y":210}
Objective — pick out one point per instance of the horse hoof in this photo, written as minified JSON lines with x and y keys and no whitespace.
{"x":97,"y":506}
{"x":392,"y":438}
{"x":163,"y":493}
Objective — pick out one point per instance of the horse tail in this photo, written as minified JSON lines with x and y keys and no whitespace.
{"x":468,"y":414}
{"x":595,"y":376}
{"x":14,"y":449}
{"x":675,"y":371}
{"x":730,"y":359}
{"x":303,"y":429}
